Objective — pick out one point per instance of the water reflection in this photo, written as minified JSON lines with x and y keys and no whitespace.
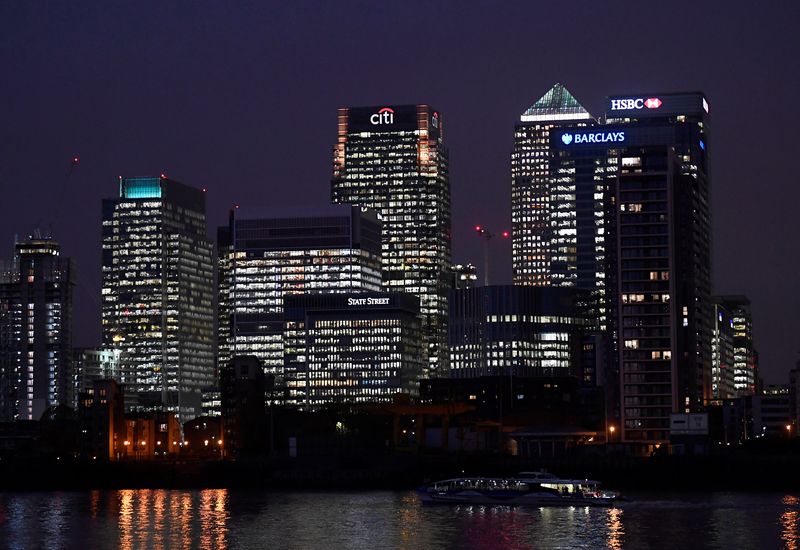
{"x":218,"y":519}
{"x":614,"y":527}
{"x":160,"y":518}
{"x":789,"y":522}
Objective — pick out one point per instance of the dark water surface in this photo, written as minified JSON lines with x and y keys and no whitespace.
{"x":220,"y":518}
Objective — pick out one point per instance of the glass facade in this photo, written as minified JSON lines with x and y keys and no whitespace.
{"x":745,"y":363}
{"x":36,"y":300}
{"x":263,"y":260}
{"x":393,"y":160}
{"x":352,"y":348}
{"x":722,"y":356}
{"x":515,"y":330}
{"x":654,"y":155}
{"x":157,"y":295}
{"x":543,"y":213}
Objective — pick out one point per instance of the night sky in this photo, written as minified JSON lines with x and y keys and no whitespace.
{"x":241,"y":98}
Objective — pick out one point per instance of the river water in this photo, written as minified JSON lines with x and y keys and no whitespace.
{"x":221,"y":518}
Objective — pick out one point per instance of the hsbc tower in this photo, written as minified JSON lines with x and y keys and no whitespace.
{"x":649,"y":164}
{"x":392,"y":159}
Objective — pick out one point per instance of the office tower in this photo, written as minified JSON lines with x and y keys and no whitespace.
{"x":36,"y":297}
{"x":745,"y":356}
{"x":157,"y":294}
{"x":515,"y":330}
{"x":352,"y":348}
{"x":393,"y":160}
{"x":653,"y":158}
{"x":543,"y":211}
{"x":722,"y":357}
{"x":261,"y":260}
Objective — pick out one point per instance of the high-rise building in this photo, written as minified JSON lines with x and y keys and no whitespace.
{"x":262,"y":260}
{"x":352,"y":348}
{"x":722,"y":356}
{"x":653,"y":159}
{"x":36,"y":296}
{"x":543,"y":204}
{"x":515,"y":330}
{"x":158,"y":282}
{"x":393,"y":160}
{"x":745,"y":356}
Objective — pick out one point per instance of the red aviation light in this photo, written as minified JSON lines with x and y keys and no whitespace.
{"x":477,"y":228}
{"x":653,"y":103}
{"x":505,"y":234}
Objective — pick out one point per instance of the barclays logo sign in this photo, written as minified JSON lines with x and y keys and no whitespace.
{"x":592,"y":137}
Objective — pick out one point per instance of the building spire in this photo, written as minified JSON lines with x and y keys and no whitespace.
{"x":556,"y":104}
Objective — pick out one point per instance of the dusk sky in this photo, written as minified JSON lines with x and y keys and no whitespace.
{"x":241,"y":98}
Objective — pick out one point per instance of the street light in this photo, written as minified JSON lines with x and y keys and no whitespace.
{"x":611,"y":430}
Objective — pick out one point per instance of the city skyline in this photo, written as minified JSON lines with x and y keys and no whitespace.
{"x":50,"y":128}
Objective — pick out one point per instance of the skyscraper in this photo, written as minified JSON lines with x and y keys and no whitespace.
{"x":745,"y":357}
{"x":393,"y":160}
{"x":653,"y":159}
{"x":543,"y":214}
{"x":261,"y":260}
{"x":722,"y":357}
{"x":158,"y":282}
{"x":36,"y":296}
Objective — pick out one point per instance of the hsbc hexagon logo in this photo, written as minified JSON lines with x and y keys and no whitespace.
{"x":635,"y":103}
{"x":383,"y":116}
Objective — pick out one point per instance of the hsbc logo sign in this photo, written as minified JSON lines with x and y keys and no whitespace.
{"x":383,"y":116}
{"x":635,"y":103}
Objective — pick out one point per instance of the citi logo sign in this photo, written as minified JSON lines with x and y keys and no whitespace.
{"x":384,"y":116}
{"x":638,"y":103}
{"x":593,"y":137}
{"x":435,"y":119}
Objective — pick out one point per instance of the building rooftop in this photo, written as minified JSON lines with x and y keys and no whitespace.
{"x":556,"y":104}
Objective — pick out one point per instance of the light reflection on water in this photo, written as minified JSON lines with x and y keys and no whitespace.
{"x":220,"y":519}
{"x":789,"y":522}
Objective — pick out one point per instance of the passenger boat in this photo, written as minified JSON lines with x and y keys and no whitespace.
{"x":525,"y":489}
